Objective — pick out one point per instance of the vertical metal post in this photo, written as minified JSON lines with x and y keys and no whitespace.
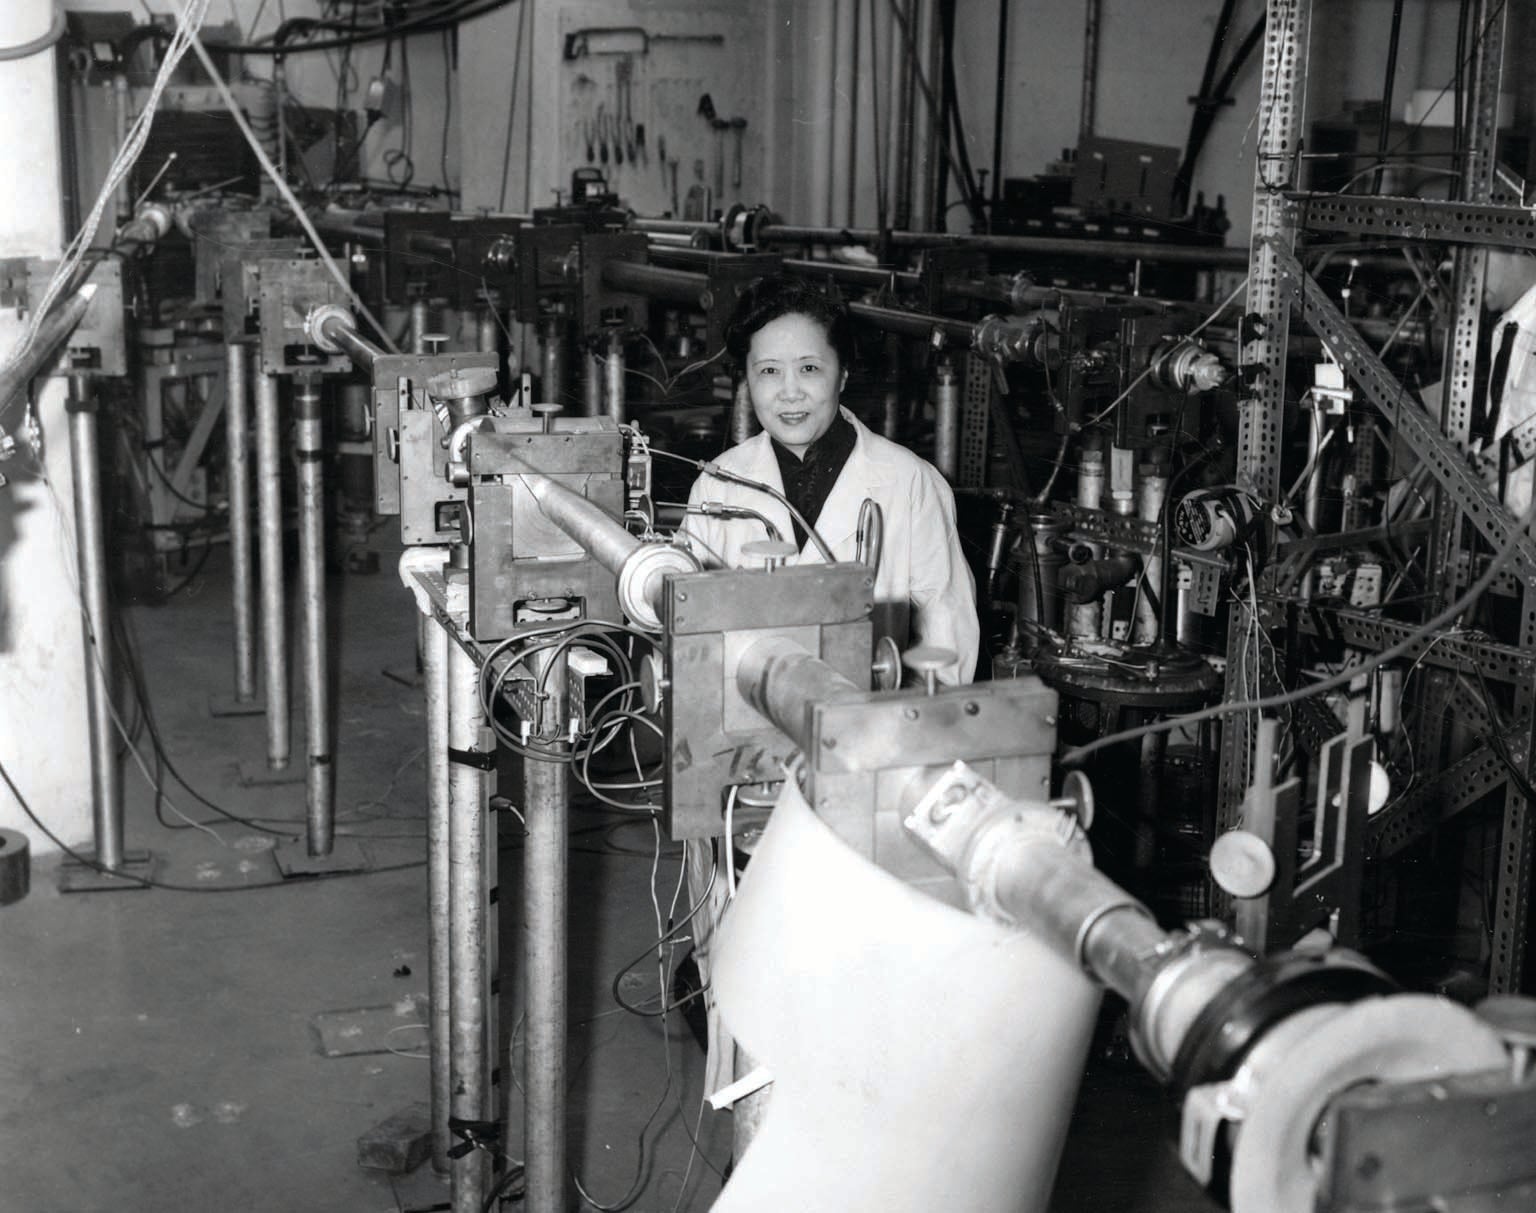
{"x":592,"y":386}
{"x":1281,"y":124}
{"x":552,"y":331}
{"x":269,"y":522}
{"x":106,"y":781}
{"x":946,"y":421}
{"x":546,"y":806}
{"x":122,"y":202}
{"x":613,"y":376}
{"x":319,"y":776}
{"x":1089,"y":116}
{"x":421,"y":319}
{"x":488,"y":331}
{"x":434,"y":676}
{"x":238,"y":472}
{"x":468,"y":919}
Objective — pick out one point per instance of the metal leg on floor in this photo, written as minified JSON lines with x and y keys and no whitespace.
{"x":434,"y":659}
{"x":274,"y":631}
{"x":91,"y":554}
{"x":245,"y":701}
{"x":546,"y":807}
{"x":468,"y":918}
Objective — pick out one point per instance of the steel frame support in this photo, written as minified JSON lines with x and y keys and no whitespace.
{"x":1282,"y":114}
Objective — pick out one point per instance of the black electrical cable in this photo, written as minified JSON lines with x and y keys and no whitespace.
{"x":1205,"y":116}
{"x":618,"y":977}
{"x":149,"y":883}
{"x":467,"y":10}
{"x":999,"y":111}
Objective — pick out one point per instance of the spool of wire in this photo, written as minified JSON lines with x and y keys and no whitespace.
{"x":15,"y":867}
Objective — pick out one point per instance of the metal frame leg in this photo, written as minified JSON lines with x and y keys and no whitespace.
{"x":320,"y":776}
{"x":245,"y":701}
{"x":274,"y":628}
{"x":434,"y":660}
{"x":468,"y":918}
{"x":546,"y":891}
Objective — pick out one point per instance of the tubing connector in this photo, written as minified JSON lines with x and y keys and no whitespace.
{"x":318,"y":326}
{"x":642,"y":578}
{"x":1009,"y":340}
{"x":1187,"y":366}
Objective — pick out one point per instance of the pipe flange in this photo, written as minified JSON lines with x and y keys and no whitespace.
{"x":641,"y":577}
{"x":316,"y":320}
{"x":1006,"y":339}
{"x":462,"y":383}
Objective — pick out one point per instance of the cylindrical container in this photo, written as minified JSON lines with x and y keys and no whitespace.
{"x":552,"y":331}
{"x":1090,"y":479}
{"x":946,"y":421}
{"x":1151,"y":492}
{"x":613,"y":378}
{"x":857,"y":1119}
{"x":593,"y":386}
{"x":15,"y":867}
{"x":1039,"y":561}
{"x":488,"y":331}
{"x":421,"y":319}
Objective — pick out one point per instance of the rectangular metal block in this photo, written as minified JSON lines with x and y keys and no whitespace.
{"x":289,"y":287}
{"x":742,"y":599}
{"x":240,"y":278}
{"x":399,"y":1143}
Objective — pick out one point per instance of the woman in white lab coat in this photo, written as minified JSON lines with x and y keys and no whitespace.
{"x":794,"y":345}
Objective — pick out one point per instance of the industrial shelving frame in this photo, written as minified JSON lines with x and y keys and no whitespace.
{"x":1466,"y":510}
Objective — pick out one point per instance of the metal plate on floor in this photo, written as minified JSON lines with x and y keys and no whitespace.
{"x":397,"y":1028}
{"x":137,"y":868}
{"x":259,"y":774}
{"x":294,"y":860}
{"x":422,"y":1191}
{"x":230,"y":705}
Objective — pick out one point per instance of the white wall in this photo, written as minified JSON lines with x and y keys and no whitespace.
{"x":44,"y":743}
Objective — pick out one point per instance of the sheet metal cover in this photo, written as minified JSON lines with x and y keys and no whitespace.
{"x":922,"y":1058}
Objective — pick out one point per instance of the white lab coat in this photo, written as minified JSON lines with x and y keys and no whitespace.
{"x":922,"y":579}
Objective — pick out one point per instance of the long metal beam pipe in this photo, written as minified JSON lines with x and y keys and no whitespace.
{"x":269,"y":523}
{"x":600,"y":535}
{"x":783,"y":233}
{"x":434,"y":676}
{"x":49,"y":334}
{"x":782,"y":681}
{"x":238,"y":482}
{"x":469,"y":884}
{"x":546,"y":893}
{"x":656,"y":282}
{"x":90,"y":540}
{"x":319,"y":774}
{"x":341,"y":332}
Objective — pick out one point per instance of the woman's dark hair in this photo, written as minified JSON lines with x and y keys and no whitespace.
{"x":767,"y":299}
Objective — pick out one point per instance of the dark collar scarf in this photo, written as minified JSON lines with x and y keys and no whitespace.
{"x":808,"y":482}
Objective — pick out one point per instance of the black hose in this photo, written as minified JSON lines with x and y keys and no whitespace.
{"x":1205,"y":116}
{"x":999,"y":109}
{"x":1384,"y":130}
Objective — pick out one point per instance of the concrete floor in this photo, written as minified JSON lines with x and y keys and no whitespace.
{"x":157,"y":1049}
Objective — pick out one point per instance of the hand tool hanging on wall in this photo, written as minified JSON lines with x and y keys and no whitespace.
{"x":739,"y":125}
{"x":719,"y":125}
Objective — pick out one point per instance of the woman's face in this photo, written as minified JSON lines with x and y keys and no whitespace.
{"x":794,"y":379}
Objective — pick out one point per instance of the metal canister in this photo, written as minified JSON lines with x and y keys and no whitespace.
{"x":1038,"y":560}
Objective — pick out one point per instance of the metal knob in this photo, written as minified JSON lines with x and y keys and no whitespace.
{"x":547,"y":414}
{"x":771,"y":553}
{"x":927,"y":660}
{"x":886,"y":667}
{"x":434,"y":342}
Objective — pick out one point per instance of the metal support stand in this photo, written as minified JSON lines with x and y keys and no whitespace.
{"x":421,"y":320}
{"x":245,"y":701}
{"x":111,"y":867}
{"x":552,"y":331}
{"x":613,"y":375}
{"x":274,"y":631}
{"x":592,"y":386}
{"x":434,"y":659}
{"x":469,"y":756}
{"x":546,"y":886}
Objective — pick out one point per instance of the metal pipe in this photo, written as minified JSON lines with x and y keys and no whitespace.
{"x":421,"y":320}
{"x":784,"y":233}
{"x":552,"y":330}
{"x":546,"y":890}
{"x":319,"y":775}
{"x":598,"y":533}
{"x":679,"y":286}
{"x":269,"y":523}
{"x":468,"y":919}
{"x":434,"y":676}
{"x":1088,"y":115}
{"x":341,"y":332}
{"x":782,"y":681}
{"x":613,"y":377}
{"x":238,"y":479}
{"x":488,"y":332}
{"x":592,"y":386}
{"x":120,"y":100}
{"x":49,"y":334}
{"x":106,"y":781}
{"x":999,"y":111}
{"x":946,"y":421}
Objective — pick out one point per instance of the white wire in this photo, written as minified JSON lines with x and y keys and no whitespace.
{"x":188,"y":21}
{"x":287,"y":194}
{"x":730,"y":843}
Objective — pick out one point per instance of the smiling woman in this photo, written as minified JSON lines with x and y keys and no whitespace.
{"x":794,"y":344}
